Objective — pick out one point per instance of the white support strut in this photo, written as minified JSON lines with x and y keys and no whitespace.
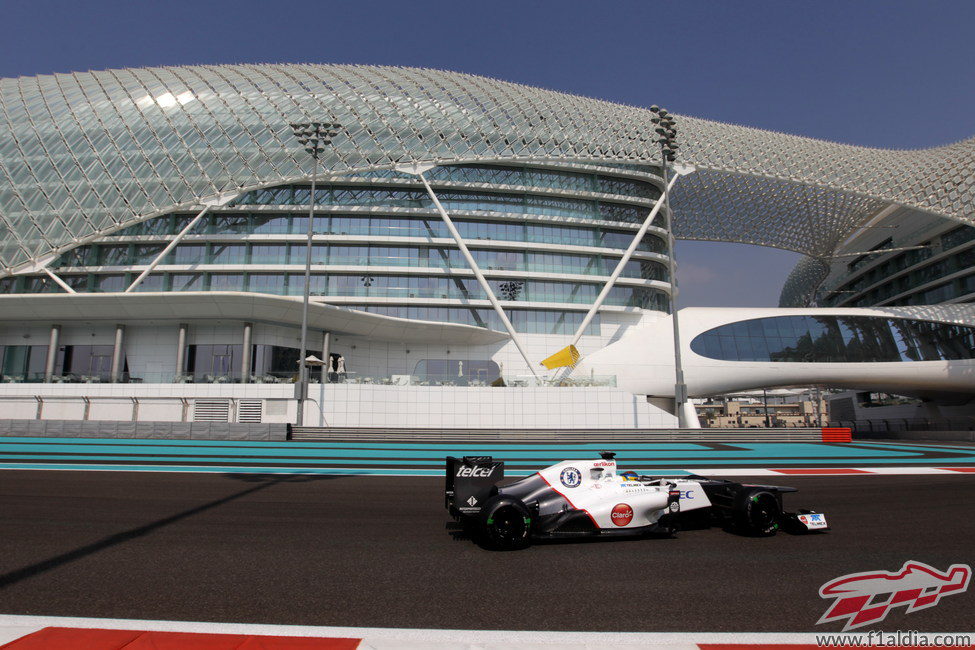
{"x":61,"y":283}
{"x":418,"y":171}
{"x":170,"y":246}
{"x":626,"y":258}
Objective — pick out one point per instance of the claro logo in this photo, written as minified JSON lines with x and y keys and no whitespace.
{"x":622,"y":514}
{"x":483,"y":472}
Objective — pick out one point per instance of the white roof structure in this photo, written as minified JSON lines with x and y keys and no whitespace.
{"x":84,"y":154}
{"x":238,"y":306}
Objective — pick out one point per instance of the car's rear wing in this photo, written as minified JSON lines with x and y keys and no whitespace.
{"x":470,"y":482}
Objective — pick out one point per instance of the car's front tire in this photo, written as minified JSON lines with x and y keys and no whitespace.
{"x":505,"y":524}
{"x":756,"y":512}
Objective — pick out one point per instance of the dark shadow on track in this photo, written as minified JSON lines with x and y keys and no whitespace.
{"x":263,"y":481}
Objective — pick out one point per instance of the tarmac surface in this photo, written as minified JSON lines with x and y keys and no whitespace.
{"x":374,"y":551}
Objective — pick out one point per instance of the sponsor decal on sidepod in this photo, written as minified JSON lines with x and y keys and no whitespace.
{"x":862,"y":598}
{"x":622,"y":514}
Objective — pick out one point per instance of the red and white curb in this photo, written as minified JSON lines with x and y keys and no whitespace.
{"x":828,"y":471}
{"x":36,"y":632}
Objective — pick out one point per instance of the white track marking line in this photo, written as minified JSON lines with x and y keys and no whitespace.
{"x":823,"y":471}
{"x":10,"y":633}
{"x":911,"y":470}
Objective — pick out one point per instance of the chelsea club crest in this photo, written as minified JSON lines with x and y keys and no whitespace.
{"x":571,"y":477}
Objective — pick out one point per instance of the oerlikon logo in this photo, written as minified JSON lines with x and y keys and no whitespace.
{"x":864,"y":598}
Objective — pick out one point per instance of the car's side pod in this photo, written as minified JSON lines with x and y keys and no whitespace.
{"x":470,"y":482}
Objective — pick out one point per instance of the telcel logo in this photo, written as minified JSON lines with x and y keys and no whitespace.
{"x":483,"y":472}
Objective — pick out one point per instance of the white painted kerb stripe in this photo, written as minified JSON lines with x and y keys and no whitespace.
{"x":13,"y":627}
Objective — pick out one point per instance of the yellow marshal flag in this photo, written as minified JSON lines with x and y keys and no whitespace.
{"x":564,"y":357}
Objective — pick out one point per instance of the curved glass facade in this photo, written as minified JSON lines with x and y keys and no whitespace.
{"x":454,"y":201}
{"x":284,"y":223}
{"x":546,"y":236}
{"x":556,"y":179}
{"x":922,"y":276}
{"x":836,"y":339}
{"x":247,"y":254}
{"x":87,"y":152}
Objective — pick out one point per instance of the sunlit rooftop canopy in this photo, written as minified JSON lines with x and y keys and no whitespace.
{"x":84,"y":154}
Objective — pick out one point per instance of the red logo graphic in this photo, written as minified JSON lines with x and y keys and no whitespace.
{"x":864,"y":598}
{"x":622,"y":514}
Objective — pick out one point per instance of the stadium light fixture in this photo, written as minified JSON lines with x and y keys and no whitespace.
{"x":313,"y":137}
{"x":666,"y":129}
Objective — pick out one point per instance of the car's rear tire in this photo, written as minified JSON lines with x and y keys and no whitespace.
{"x":505,"y":524}
{"x":756,"y":512}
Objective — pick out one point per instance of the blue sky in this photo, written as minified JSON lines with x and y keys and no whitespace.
{"x":889,"y":73}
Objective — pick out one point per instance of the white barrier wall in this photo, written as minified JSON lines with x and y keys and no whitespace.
{"x":454,"y":407}
{"x":339,"y":405}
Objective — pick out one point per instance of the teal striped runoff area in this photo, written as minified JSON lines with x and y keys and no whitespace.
{"x":350,"y":457}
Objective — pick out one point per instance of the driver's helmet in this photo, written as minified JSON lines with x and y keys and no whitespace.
{"x":629,"y":476}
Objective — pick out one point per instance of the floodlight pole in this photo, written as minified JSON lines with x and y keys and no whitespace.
{"x":418,"y":171}
{"x":666,"y":129}
{"x":302,"y":364}
{"x":680,"y":387}
{"x":313,"y":136}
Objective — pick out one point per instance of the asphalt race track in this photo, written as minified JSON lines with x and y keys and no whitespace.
{"x":374,"y":551}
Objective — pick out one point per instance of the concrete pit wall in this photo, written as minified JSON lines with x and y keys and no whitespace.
{"x":146,"y":430}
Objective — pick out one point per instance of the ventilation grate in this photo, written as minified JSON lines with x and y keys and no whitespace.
{"x":250,"y":410}
{"x":211,"y":410}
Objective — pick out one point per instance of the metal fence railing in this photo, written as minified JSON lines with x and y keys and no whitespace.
{"x":386,"y":434}
{"x":896,"y":425}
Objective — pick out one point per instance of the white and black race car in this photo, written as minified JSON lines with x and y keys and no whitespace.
{"x":589,"y":498}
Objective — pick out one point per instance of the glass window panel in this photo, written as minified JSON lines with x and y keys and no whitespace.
{"x":267,"y":283}
{"x":152,"y":282}
{"x":114,"y":255}
{"x":187,"y":254}
{"x":110,"y":283}
{"x":186,"y":281}
{"x":832,"y":339}
{"x":226,"y":282}
{"x":228,"y":254}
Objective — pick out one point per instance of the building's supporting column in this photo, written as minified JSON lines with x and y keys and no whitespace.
{"x":52,"y":353}
{"x":164,"y":252}
{"x":688,"y":416}
{"x":118,"y":353}
{"x":245,"y":357}
{"x":622,"y":263}
{"x":326,"y":353}
{"x":819,"y":408}
{"x":61,"y":283}
{"x":180,"y":350}
{"x":326,"y":357}
{"x":418,"y":170}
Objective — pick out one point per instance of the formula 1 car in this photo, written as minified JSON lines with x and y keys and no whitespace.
{"x":588,"y":498}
